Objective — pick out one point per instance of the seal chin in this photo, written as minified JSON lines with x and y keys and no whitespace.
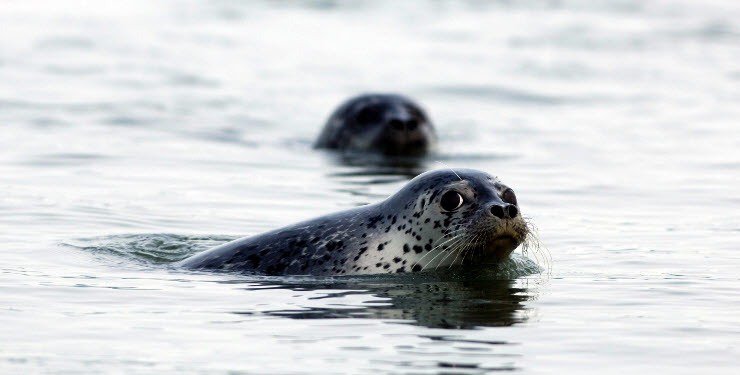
{"x":392,"y":144}
{"x":504,"y":243}
{"x":405,"y":148}
{"x":498,"y":248}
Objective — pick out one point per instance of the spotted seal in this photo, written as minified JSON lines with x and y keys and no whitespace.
{"x":388,"y":124}
{"x":441,"y":218}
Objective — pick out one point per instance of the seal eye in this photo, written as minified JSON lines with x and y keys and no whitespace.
{"x":451,"y":201}
{"x":509,"y":197}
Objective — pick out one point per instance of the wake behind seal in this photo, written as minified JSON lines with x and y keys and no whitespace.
{"x":441,"y":218}
{"x":388,"y":124}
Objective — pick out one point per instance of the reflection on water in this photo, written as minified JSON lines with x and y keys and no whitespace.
{"x":452,"y":304}
{"x":375,"y":165}
{"x":459,"y":299}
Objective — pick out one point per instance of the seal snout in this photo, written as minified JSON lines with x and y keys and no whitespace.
{"x":401,"y":124}
{"x":504,"y":211}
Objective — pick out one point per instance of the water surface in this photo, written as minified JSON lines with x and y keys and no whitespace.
{"x":137,"y":131}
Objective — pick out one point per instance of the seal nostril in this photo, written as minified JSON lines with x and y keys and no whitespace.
{"x":497,"y":211}
{"x":396,"y":124}
{"x":412,"y":124}
{"x":512,"y":211}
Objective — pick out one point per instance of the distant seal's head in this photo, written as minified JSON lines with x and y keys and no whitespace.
{"x":461,"y":216}
{"x":383,"y":123}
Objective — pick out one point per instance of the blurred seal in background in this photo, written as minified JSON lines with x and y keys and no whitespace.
{"x":388,"y":124}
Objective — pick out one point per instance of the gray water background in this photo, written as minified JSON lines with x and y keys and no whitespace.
{"x":140,"y":131}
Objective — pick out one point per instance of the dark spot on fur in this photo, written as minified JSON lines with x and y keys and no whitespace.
{"x":371,"y":222}
{"x":334,"y":245}
{"x":433,"y":195}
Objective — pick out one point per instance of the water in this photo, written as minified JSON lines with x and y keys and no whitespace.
{"x":138,"y":132}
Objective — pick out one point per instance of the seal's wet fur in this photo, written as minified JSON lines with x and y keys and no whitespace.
{"x":408,"y":232}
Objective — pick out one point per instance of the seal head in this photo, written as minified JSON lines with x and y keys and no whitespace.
{"x":384,"y":123}
{"x":442,"y":218}
{"x":470,"y":213}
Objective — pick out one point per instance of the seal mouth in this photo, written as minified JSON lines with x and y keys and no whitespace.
{"x":504,"y":239}
{"x":499,"y":247}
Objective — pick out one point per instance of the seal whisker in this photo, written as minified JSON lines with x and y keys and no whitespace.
{"x":454,"y":250}
{"x":470,"y":249}
{"x":439,"y":250}
{"x":527,"y":245}
{"x":448,"y":167}
{"x":526,"y":252}
{"x":449,"y":253}
{"x":433,"y":250}
{"x":442,"y":251}
{"x":447,"y":234}
{"x":463,"y":249}
{"x":477,"y":240}
{"x":438,"y":246}
{"x":471,"y":243}
{"x":532,"y":240}
{"x":458,"y":254}
{"x":451,"y":250}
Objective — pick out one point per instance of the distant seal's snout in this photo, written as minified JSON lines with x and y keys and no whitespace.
{"x":504,"y":211}
{"x":400,"y":123}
